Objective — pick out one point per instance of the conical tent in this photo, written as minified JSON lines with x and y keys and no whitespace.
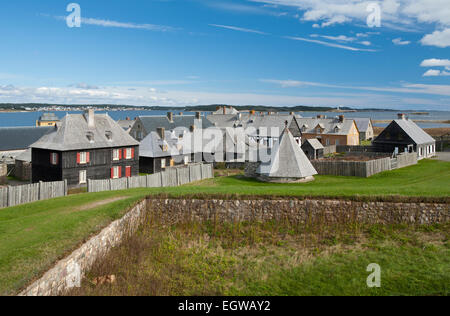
{"x":288,"y":162}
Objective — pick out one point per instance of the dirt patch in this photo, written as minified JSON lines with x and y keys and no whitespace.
{"x":100,"y":203}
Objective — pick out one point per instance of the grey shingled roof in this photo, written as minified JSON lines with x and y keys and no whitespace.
{"x":126,"y":124}
{"x":289,"y":161}
{"x":418,"y":135}
{"x":16,"y":138}
{"x":329,"y":125}
{"x":46,"y":117}
{"x":72,"y":132}
{"x":25,"y":156}
{"x":228,"y":110}
{"x":151,"y":123}
{"x":315,"y":143}
{"x":264,"y":123}
{"x":152,"y":145}
{"x":362,"y":124}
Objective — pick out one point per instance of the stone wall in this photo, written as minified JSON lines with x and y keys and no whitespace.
{"x":3,"y":173}
{"x":71,"y":270}
{"x":300,"y":211}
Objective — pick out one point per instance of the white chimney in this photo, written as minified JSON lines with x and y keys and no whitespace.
{"x":90,"y":118}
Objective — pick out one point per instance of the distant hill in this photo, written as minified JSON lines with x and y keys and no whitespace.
{"x":201,"y":108}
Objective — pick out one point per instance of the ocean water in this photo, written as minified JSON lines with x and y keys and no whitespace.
{"x":9,"y":119}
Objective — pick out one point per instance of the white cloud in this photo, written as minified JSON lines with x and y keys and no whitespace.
{"x":436,"y":73}
{"x":401,"y":15}
{"x":330,"y":44}
{"x":398,"y":41}
{"x":366,"y":43}
{"x":125,"y":25}
{"x":240,"y":29}
{"x":340,"y":38}
{"x":434,"y":62}
{"x":437,"y":38}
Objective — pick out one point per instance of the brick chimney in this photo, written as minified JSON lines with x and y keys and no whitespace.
{"x":341,"y":118}
{"x":224,"y":110}
{"x":192,"y":128}
{"x":401,"y":116}
{"x":161,"y":132}
{"x":89,"y":115}
{"x":170,"y":116}
{"x":198,"y":115}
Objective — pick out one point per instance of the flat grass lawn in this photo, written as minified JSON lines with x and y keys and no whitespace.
{"x":34,"y":236}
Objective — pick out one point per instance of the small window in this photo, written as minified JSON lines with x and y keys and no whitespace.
{"x":328,"y":142}
{"x":54,"y":158}
{"x":128,"y":154}
{"x":186,"y":160}
{"x":163,"y":163}
{"x":337,"y":142}
{"x":108,"y":135}
{"x":83,"y":158}
{"x":83,"y":177}
{"x":90,"y":137}
{"x":116,"y":154}
{"x":116,"y":171}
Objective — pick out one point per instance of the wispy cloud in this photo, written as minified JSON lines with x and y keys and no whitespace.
{"x":240,"y":29}
{"x":399,"y":41}
{"x":124,"y":25}
{"x":355,"y":49}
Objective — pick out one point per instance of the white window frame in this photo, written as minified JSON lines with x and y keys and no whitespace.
{"x":83,"y":176}
{"x":337,"y":142}
{"x":116,"y":172}
{"x":186,"y":160}
{"x":54,"y":159}
{"x":128,"y":153}
{"x":116,"y":154}
{"x":163,"y":163}
{"x":83,"y":158}
{"x":327,"y":142}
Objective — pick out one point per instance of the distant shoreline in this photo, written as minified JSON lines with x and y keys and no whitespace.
{"x":417,"y":121}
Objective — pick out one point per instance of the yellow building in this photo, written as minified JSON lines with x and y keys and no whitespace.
{"x":47,"y":119}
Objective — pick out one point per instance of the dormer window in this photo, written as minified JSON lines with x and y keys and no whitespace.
{"x":337,"y":128}
{"x":90,"y":136}
{"x":108,"y":135}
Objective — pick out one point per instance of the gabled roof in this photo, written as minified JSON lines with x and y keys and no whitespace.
{"x":228,"y":110}
{"x":328,"y":124}
{"x":151,"y":123}
{"x":362,"y":124}
{"x":264,"y":123}
{"x":48,"y":117}
{"x":173,"y":144}
{"x":315,"y":144}
{"x":418,"y":135}
{"x":72,"y":134}
{"x":17,"y":138}
{"x":289,"y":160}
{"x":126,"y":124}
{"x":25,"y":156}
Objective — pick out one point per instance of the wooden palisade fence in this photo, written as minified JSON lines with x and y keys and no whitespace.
{"x":16,"y":195}
{"x":171,"y":177}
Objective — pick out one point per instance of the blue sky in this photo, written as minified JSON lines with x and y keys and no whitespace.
{"x":184,"y":52}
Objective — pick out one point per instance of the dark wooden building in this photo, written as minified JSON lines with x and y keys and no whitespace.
{"x":313,"y":149}
{"x":85,"y":146}
{"x":403,"y":135}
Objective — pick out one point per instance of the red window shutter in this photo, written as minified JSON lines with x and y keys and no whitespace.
{"x":112,"y":173}
{"x":88,"y":157}
{"x":120,"y":172}
{"x":120,"y":154}
{"x":128,"y":172}
{"x":78,"y":158}
{"x":125,"y":153}
{"x":132,"y":153}
{"x":57,"y":159}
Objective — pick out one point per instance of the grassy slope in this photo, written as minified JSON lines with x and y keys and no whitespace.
{"x":34,"y":236}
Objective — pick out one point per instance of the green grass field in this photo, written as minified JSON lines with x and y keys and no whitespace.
{"x":36,"y":235}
